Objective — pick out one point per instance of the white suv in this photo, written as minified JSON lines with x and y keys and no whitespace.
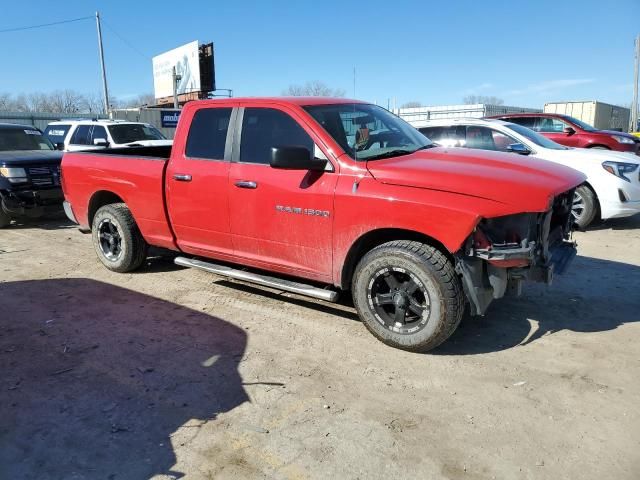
{"x":612,"y":188}
{"x":75,"y":135}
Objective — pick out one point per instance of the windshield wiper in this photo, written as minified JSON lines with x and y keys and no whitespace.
{"x":397,"y":152}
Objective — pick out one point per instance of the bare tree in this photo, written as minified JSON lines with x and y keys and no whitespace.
{"x":7,"y":102}
{"x":139,"y":101}
{"x":65,"y":101}
{"x":92,"y":103}
{"x":315,"y":88}
{"x":473,"y":99}
{"x":411,"y":104}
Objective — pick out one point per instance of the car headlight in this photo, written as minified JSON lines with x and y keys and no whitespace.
{"x":621,"y":139}
{"x":13,"y":174}
{"x":620,"y":169}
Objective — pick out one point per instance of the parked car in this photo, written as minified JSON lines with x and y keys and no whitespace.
{"x":572,"y":132}
{"x":342,"y":194}
{"x":29,"y":174}
{"x":612,"y":187}
{"x":79,"y":135}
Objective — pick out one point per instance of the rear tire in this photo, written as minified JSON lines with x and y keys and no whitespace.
{"x":408,"y":295}
{"x":117,"y":239}
{"x":5,"y":219}
{"x":585,"y":206}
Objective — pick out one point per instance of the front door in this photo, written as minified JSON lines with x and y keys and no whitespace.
{"x":553,"y":129}
{"x":280,"y":219}
{"x":197,"y":182}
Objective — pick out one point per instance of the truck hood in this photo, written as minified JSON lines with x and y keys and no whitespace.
{"x":527,"y":186}
{"x":18,"y":158}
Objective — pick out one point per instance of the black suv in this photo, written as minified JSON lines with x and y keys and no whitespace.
{"x":29,"y":173}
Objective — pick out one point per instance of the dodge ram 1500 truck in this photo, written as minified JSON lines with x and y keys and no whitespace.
{"x":340,"y":193}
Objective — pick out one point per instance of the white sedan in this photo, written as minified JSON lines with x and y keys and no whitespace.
{"x":612,"y":188}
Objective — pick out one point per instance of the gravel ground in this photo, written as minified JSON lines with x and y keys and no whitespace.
{"x":175,"y":373}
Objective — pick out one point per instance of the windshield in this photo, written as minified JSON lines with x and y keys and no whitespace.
{"x":535,"y":137}
{"x":368,"y":132}
{"x":134,"y":132}
{"x":23,"y":139}
{"x":580,"y":123}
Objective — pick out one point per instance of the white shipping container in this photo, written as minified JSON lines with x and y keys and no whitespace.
{"x":600,"y":115}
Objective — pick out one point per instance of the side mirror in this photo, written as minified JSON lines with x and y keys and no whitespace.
{"x":569,"y":130}
{"x":295,"y":158}
{"x":59,"y":146}
{"x":518,"y":148}
{"x":100,"y":142}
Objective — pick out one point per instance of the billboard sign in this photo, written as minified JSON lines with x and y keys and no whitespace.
{"x":186,"y":60}
{"x":169,"y":118}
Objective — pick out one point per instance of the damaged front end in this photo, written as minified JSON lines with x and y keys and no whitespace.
{"x":502,"y":252}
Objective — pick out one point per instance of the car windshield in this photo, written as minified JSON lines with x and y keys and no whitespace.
{"x":134,"y":132}
{"x":535,"y":137}
{"x":368,"y":132}
{"x":580,"y":123}
{"x":12,"y":139}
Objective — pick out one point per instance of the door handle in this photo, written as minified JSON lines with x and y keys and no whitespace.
{"x":246,"y":184}
{"x":182,"y":177}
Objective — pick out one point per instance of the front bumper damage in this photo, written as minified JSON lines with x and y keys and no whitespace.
{"x":31,"y":203}
{"x":514,"y":249}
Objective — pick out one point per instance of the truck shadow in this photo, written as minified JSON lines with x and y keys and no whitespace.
{"x":56,"y":221}
{"x":593,"y":296}
{"x":97,"y":378}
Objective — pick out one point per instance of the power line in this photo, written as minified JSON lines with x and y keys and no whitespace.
{"x":125,"y":41}
{"x":30,"y":27}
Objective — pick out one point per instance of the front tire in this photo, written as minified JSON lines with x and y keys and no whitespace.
{"x":585,"y":206}
{"x":117,"y":239}
{"x":5,"y":219}
{"x":408,"y":295}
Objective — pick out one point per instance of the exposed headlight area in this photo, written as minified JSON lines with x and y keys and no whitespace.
{"x":622,"y":139}
{"x":14,"y":175}
{"x":620,"y":169}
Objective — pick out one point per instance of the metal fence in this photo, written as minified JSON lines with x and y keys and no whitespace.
{"x":479,"y":110}
{"x":42,"y":119}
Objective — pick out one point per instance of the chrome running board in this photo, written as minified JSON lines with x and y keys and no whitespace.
{"x":264,"y":280}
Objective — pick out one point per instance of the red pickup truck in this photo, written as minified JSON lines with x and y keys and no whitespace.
{"x":317,"y":196}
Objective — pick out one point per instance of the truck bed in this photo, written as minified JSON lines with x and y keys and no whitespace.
{"x":135,"y":175}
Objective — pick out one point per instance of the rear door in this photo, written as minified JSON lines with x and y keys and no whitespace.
{"x":280,"y":218}
{"x":197,"y":184}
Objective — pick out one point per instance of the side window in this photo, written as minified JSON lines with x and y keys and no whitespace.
{"x":56,"y":133}
{"x":81,"y":135}
{"x":529,"y":122}
{"x":98,"y":132}
{"x":479,"y":137}
{"x":263,"y":128}
{"x":208,"y":133}
{"x":502,"y":141}
{"x":445,"y":136}
{"x":550,"y":125}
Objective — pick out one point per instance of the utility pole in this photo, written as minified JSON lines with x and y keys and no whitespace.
{"x":175,"y":78}
{"x":105,"y":91}
{"x":634,"y":105}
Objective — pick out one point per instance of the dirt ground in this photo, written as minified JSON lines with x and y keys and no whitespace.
{"x":174,"y":373}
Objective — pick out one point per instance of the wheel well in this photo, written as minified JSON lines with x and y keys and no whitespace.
{"x":595,"y":196}
{"x":372,"y":239}
{"x":100,"y":199}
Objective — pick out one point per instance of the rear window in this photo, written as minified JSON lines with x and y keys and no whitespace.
{"x":56,"y":133}
{"x":134,"y":132}
{"x":12,"y":139}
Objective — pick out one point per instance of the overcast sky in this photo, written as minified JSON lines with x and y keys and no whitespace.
{"x":527,"y":53}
